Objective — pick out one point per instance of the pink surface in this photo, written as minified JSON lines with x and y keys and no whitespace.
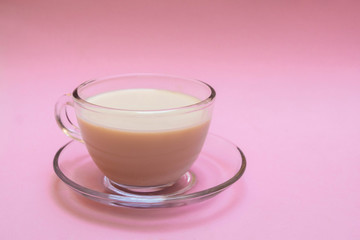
{"x":287,"y":77}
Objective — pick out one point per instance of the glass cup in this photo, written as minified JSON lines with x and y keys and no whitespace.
{"x":143,"y":131}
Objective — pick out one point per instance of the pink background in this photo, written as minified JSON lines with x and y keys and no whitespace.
{"x":287,"y":75}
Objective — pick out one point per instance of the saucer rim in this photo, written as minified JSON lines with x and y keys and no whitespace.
{"x":139,"y":201}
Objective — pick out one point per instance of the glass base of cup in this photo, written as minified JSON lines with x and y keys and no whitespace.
{"x":182,"y":185}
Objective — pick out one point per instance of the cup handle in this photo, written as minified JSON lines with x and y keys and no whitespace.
{"x":63,"y":119}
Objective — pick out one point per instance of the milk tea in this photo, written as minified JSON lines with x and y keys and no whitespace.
{"x":144,"y":149}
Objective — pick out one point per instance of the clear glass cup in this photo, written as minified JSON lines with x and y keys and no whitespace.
{"x":145,"y":149}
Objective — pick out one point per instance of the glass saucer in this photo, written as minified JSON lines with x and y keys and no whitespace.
{"x":219,"y":165}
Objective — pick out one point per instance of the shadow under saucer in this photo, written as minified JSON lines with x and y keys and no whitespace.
{"x":148,"y":219}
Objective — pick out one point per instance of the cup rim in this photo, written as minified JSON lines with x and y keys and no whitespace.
{"x":198,"y":105}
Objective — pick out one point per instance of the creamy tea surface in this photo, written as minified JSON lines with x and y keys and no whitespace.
{"x":140,"y":147}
